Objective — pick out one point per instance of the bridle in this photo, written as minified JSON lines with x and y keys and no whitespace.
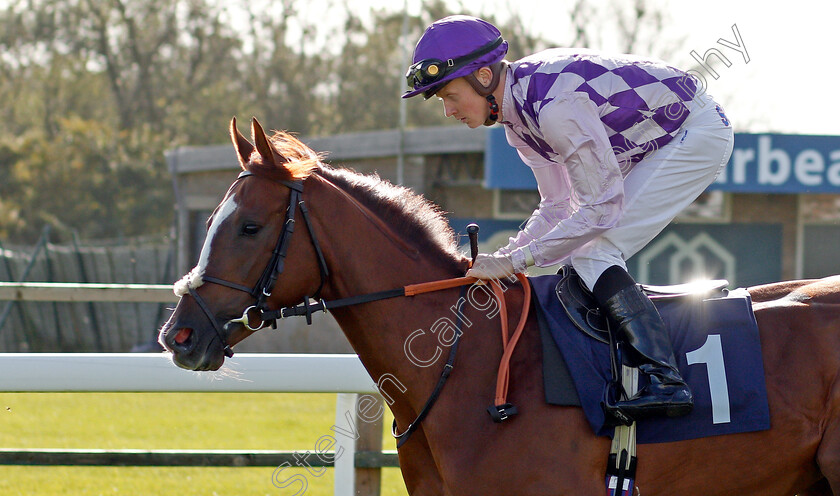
{"x":257,"y":316}
{"x":253,"y":317}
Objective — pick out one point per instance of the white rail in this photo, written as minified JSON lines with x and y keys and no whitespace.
{"x":148,"y":372}
{"x":72,"y":291}
{"x":155,"y":372}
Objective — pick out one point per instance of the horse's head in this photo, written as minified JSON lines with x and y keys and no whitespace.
{"x":249,"y":251}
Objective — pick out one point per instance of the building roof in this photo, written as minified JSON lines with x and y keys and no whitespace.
{"x":348,"y":146}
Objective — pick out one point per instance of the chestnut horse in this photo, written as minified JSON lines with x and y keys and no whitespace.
{"x":357,"y":235}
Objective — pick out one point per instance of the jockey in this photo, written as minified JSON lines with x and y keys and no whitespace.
{"x":619,"y":145}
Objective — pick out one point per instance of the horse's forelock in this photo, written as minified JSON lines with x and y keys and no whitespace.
{"x":293,"y":159}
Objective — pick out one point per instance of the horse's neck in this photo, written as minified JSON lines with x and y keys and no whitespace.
{"x":378,"y":330}
{"x":365,"y":256}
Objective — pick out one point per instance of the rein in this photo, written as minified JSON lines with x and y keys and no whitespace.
{"x":306,"y":309}
{"x":258,"y":315}
{"x":501,"y":409}
{"x":444,"y":375}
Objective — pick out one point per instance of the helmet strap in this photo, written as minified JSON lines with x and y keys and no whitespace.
{"x":494,"y":111}
{"x":487,"y":91}
{"x":479,"y":88}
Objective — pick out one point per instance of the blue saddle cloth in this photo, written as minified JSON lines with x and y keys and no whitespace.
{"x":718,"y":352}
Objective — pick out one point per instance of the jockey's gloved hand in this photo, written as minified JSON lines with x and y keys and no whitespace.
{"x":495,"y":266}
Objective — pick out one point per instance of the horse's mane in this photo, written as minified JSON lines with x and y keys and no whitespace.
{"x":411,"y":216}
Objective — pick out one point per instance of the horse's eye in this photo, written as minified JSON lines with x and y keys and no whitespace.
{"x":250,"y":229}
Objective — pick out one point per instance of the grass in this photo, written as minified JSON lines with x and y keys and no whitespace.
{"x":239,"y":421}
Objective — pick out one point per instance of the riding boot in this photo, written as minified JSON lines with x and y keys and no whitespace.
{"x":648,"y":345}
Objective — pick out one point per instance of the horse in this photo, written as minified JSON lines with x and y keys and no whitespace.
{"x":360,"y":235}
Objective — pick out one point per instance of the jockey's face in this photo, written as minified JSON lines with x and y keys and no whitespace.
{"x":462,"y":102}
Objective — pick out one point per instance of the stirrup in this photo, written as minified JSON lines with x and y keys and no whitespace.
{"x":623,"y":384}
{"x":614,"y":415}
{"x":665,"y":408}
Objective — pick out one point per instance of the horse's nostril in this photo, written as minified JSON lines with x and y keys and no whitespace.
{"x":183,"y":335}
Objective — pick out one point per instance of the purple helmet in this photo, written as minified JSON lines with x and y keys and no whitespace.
{"x":452,"y":47}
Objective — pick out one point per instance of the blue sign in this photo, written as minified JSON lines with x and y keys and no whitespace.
{"x":782,"y":163}
{"x":503,"y":169}
{"x":760,"y":163}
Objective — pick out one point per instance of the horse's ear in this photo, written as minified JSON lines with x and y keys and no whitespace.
{"x":242,"y":146}
{"x":264,"y":148}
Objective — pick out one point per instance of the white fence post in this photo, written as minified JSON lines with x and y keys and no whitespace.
{"x":345,"y":466}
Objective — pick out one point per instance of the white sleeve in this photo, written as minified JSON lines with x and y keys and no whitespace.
{"x":554,"y":187}
{"x":591,"y":185}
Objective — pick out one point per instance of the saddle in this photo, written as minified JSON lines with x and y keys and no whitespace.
{"x":716,"y":344}
{"x":585,"y":314}
{"x":583,"y":311}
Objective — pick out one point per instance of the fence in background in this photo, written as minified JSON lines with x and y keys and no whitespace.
{"x":79,"y":325}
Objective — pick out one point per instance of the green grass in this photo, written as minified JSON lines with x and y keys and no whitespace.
{"x":239,"y":421}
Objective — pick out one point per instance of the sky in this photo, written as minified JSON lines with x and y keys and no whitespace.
{"x":790,"y":84}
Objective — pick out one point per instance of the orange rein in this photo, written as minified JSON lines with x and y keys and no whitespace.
{"x":503,"y":378}
{"x":508,"y":344}
{"x":428,"y":287}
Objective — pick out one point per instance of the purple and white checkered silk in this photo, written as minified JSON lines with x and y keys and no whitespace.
{"x":642,"y":103}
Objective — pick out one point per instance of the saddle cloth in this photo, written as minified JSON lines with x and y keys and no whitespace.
{"x":718,"y":352}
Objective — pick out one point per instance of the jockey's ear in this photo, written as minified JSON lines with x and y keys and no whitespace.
{"x":484,"y":75}
{"x":264,"y":148}
{"x":242,"y":146}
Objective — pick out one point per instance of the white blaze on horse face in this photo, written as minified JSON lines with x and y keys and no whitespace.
{"x":194,"y":278}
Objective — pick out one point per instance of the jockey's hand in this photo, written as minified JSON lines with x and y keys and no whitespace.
{"x":495,"y":266}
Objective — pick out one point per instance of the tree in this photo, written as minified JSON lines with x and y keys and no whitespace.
{"x":95,"y":91}
{"x":94,"y":180}
{"x":627,"y":27}
{"x":283,"y":77}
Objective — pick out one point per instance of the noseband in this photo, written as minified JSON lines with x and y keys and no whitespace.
{"x":252,"y":316}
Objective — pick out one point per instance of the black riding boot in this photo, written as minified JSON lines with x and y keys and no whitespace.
{"x":648,"y":347}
